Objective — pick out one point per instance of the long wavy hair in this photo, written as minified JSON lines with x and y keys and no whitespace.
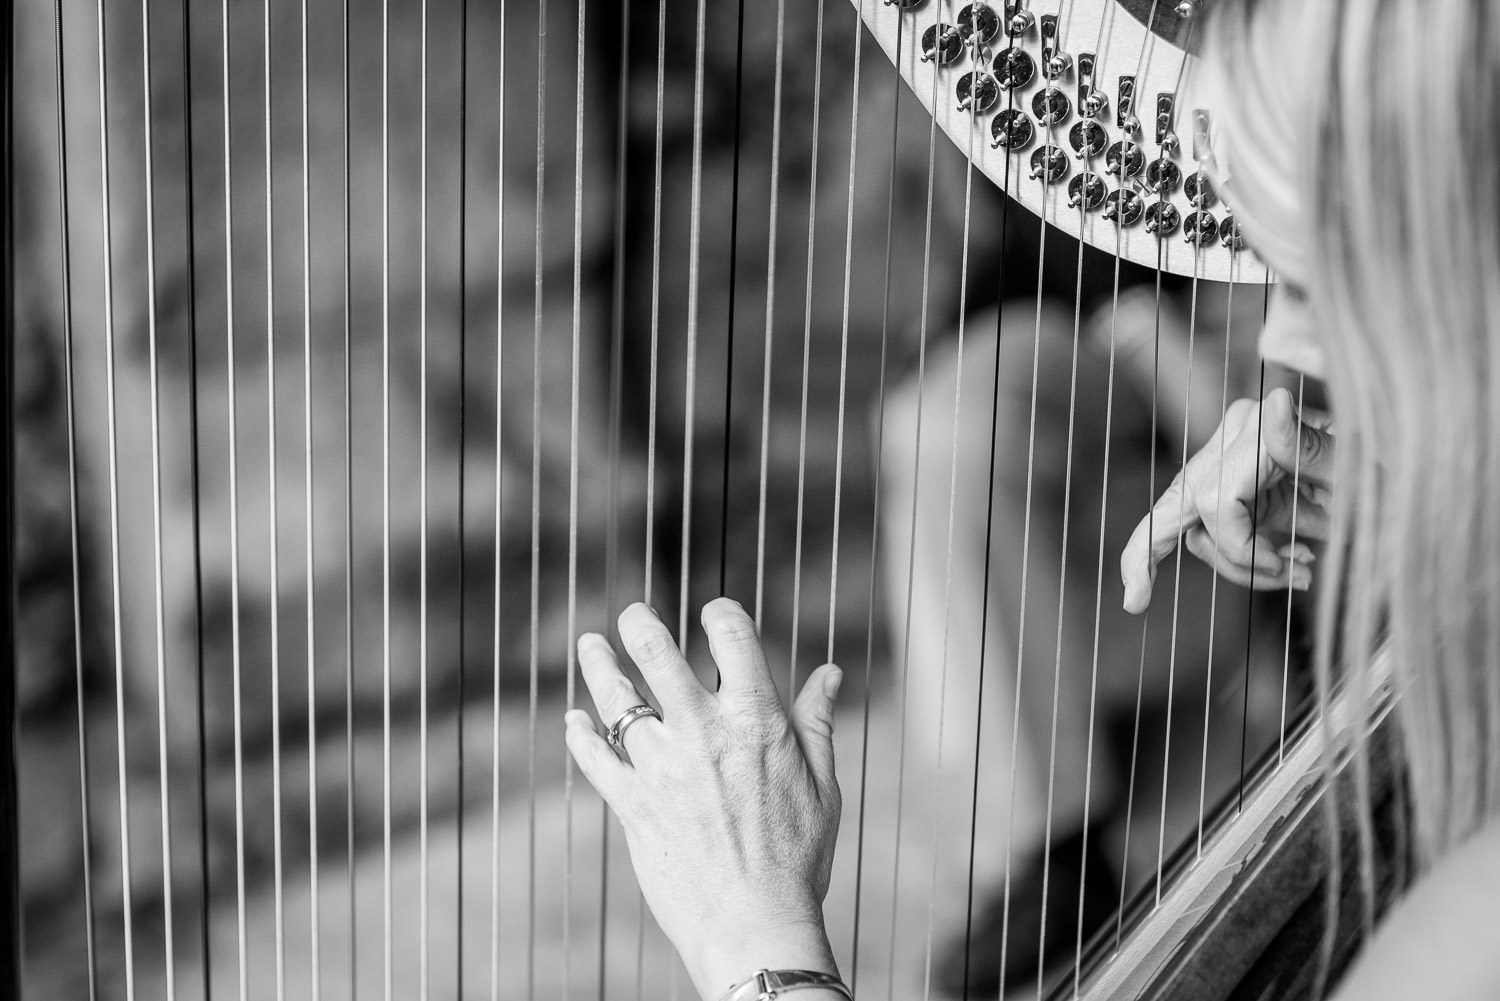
{"x":1364,"y":143}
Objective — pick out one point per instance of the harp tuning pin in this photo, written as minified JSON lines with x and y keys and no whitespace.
{"x":1095,"y":104}
{"x":1199,"y":227}
{"x":1163,"y":176}
{"x":1230,"y":235}
{"x":977,"y":91}
{"x":1049,"y":163}
{"x":1161,"y":218}
{"x":1087,"y":190}
{"x":1011,"y":129}
{"x":942,"y":43}
{"x":1018,"y":19}
{"x":1124,"y":205}
{"x":1088,"y":138}
{"x":1169,"y":142}
{"x":1124,"y":159}
{"x":1058,"y":64}
{"x":1200,"y":193}
{"x":1050,"y":106}
{"x":1130,"y":124}
{"x":1013,"y":68}
{"x":1187,"y":8}
{"x":978,"y":23}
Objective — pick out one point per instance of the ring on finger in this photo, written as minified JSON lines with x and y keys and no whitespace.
{"x":616,"y":733}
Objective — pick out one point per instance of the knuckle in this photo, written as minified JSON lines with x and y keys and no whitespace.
{"x":738,"y":634}
{"x":620,"y":691}
{"x":653,"y":646}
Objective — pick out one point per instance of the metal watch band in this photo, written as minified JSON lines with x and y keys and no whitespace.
{"x":767,"y":985}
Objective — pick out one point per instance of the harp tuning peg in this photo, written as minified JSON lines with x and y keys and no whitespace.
{"x":1096,"y":103}
{"x":1058,"y":64}
{"x":1187,"y":8}
{"x":1019,"y":19}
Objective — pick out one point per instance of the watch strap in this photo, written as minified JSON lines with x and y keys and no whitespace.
{"x":767,"y":985}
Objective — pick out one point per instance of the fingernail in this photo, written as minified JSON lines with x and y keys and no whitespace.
{"x":1301,"y":579}
{"x":831,"y":683}
{"x":1297,"y":551}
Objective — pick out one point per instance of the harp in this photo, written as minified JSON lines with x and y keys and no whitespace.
{"x":358,"y":355}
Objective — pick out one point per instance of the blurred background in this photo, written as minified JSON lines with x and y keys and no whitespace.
{"x":291,"y":709}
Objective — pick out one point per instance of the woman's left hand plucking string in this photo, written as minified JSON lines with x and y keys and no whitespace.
{"x":728,"y":801}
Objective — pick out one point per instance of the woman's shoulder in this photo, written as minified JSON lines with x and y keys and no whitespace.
{"x":1442,"y":940}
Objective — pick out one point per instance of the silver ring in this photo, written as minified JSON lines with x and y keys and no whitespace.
{"x":616,"y":732}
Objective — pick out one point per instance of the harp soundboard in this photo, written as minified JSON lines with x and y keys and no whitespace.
{"x":361,"y":355}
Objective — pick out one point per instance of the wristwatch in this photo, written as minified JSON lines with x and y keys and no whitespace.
{"x":767,"y":985}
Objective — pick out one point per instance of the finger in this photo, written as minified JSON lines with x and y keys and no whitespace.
{"x":1294,"y":444}
{"x":650,"y":644}
{"x":744,"y":676}
{"x":598,"y":762}
{"x":1152,"y":541}
{"x":1295,"y":574}
{"x":812,"y":721}
{"x":613,"y":693}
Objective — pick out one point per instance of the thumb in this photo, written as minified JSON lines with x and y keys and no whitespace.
{"x":1292,"y":443}
{"x":812,"y":720}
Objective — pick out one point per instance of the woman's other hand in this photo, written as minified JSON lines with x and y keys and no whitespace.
{"x":1234,"y":502}
{"x":729,"y":802}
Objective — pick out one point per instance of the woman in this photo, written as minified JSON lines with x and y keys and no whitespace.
{"x":1362,"y":166}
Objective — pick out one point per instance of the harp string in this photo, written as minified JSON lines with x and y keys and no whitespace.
{"x":812,"y":215}
{"x":424,"y":876}
{"x":838,"y":465}
{"x":734,"y":246}
{"x":986,"y":576}
{"x":690,"y":391}
{"x":1286,"y":648}
{"x":1260,"y":394}
{"x":1213,"y":603}
{"x":536,"y":498}
{"x":114,"y":516}
{"x":1187,"y":410}
{"x":655,"y":362}
{"x":1062,"y":583}
{"x":499,"y":522}
{"x":911,"y":552}
{"x":614,"y":421}
{"x":461,"y":757}
{"x":1150,"y":500}
{"x":1161,"y":838}
{"x":387,"y":972}
{"x":231,"y":386}
{"x":771,"y":243}
{"x":273,"y":523}
{"x":195,"y":508}
{"x":352,"y":901}
{"x":958,"y":381}
{"x":65,"y":247}
{"x":1088,"y":770}
{"x":878,"y":455}
{"x":652,"y":395}
{"x":314,"y":910}
{"x":158,"y":588}
{"x":573,"y":424}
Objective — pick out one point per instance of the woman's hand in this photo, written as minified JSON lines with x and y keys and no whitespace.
{"x":729,"y":803}
{"x":1234,"y":503}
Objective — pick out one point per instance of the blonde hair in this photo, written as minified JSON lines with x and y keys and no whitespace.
{"x":1380,"y":120}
